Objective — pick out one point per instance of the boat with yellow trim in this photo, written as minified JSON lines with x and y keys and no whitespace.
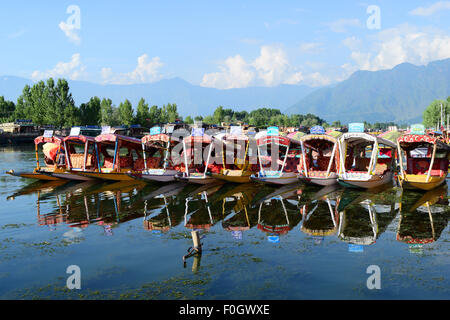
{"x":427,"y":160}
{"x":238,"y":154}
{"x":54,"y":160}
{"x":81,"y":156}
{"x":118,"y":156}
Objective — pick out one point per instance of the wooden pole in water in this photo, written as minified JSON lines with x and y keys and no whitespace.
{"x":196,"y":241}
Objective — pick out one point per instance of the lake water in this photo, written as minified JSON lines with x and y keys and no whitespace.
{"x":294,"y":242}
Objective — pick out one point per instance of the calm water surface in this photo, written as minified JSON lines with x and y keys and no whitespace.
{"x":293,"y":242}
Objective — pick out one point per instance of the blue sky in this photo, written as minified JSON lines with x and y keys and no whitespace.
{"x":227,"y":44}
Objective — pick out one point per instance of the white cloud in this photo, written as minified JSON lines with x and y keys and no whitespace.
{"x":311,"y":47}
{"x":341,"y":25}
{"x":146,"y":71}
{"x":72,"y":70}
{"x":270,"y":68}
{"x":428,"y":11}
{"x":402,"y":44}
{"x":234,"y":73}
{"x":70,"y":32}
{"x":271,"y":65}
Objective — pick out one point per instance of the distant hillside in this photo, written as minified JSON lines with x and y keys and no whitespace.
{"x":400,"y":94}
{"x":191,"y":99}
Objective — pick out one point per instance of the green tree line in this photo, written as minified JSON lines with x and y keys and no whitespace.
{"x":432,"y":114}
{"x":47,"y":103}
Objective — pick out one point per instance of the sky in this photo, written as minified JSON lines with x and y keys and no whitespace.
{"x":220,"y":44}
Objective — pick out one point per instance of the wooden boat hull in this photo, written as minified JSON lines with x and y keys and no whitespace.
{"x":40,"y":175}
{"x":233,"y":177}
{"x":110,"y":176}
{"x":372,"y":182}
{"x":71,"y":176}
{"x":412,"y":181}
{"x":196,"y":180}
{"x":284,"y":178}
{"x":164,"y":176}
{"x":320,"y":181}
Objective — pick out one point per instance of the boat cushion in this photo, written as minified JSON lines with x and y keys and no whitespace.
{"x":77,"y":160}
{"x":422,"y":165}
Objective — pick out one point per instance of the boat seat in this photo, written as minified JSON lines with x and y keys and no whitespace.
{"x":422,"y":165}
{"x":77,"y":160}
{"x":126,"y":162}
{"x":291,"y":164}
{"x":108,"y":162}
{"x":152,"y":163}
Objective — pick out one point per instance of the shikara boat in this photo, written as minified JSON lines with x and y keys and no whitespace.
{"x":319,"y":162}
{"x":366,"y":161}
{"x":195,"y":168}
{"x":117,"y":157}
{"x":278,"y":157}
{"x":53,"y":158}
{"x":237,"y":164}
{"x":426,"y":161}
{"x":156,"y":164}
{"x":81,"y":156}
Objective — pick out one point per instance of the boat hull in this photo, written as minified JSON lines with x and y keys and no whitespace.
{"x":373,"y":182}
{"x":412,"y":181}
{"x":320,"y":181}
{"x":72,"y":176}
{"x":233,"y":178}
{"x":47,"y":176}
{"x":285,"y":178}
{"x":110,"y":176}
{"x":164,"y":176}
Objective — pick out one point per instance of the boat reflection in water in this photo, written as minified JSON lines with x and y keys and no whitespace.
{"x":236,"y":212}
{"x":161,"y":208}
{"x":364,"y":216}
{"x":198,"y":207}
{"x":320,"y":217}
{"x":278,"y":213}
{"x":423,"y":222}
{"x":80,"y":204}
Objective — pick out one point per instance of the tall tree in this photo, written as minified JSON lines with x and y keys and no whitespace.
{"x":7,"y":109}
{"x":432,"y":114}
{"x":90,"y":112}
{"x":126,"y":113}
{"x":106,"y":112}
{"x":142,"y":113}
{"x":155,"y":115}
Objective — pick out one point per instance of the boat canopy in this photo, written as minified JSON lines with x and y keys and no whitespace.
{"x":125,"y":141}
{"x":162,"y":137}
{"x":54,"y":139}
{"x":354,"y":138}
{"x":202,"y":139}
{"x":278,"y":140}
{"x":318,"y":137}
{"x":79,"y":138}
{"x":409,"y":142}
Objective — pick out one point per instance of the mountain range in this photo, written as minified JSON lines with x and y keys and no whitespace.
{"x":191,"y":99}
{"x":400,"y":94}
